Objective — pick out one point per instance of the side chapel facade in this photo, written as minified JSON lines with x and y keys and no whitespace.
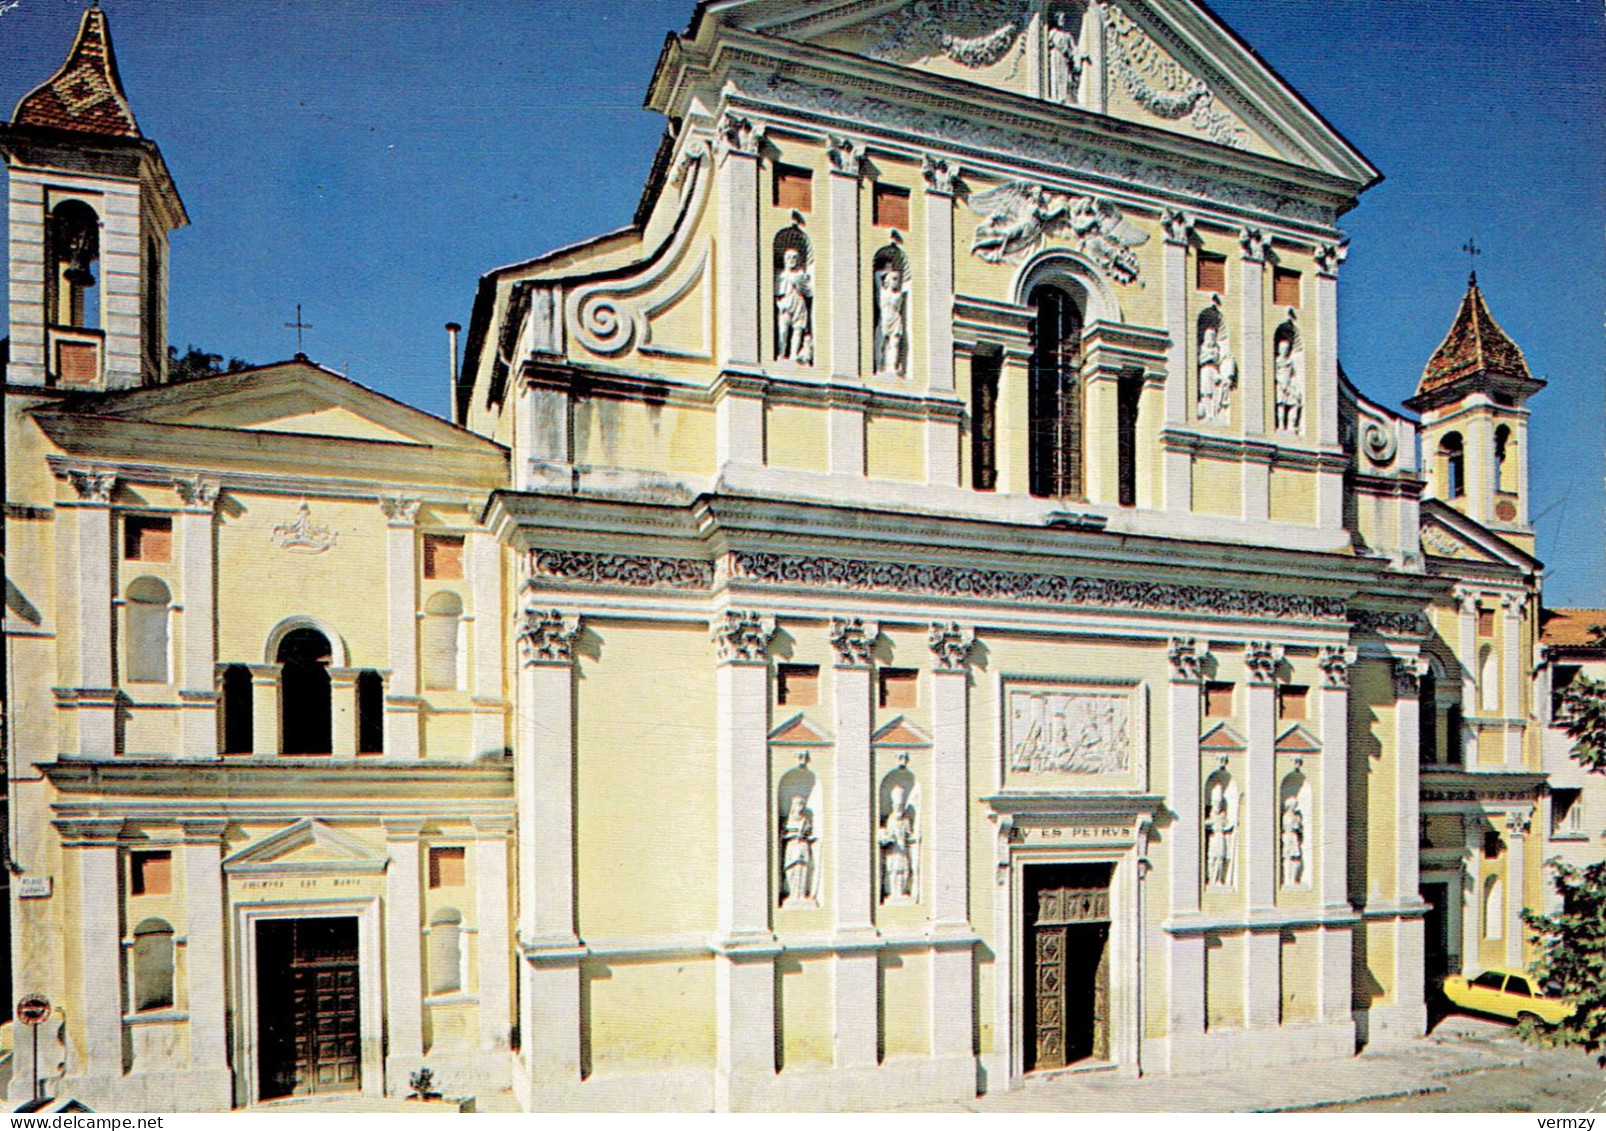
{"x":919,"y":607}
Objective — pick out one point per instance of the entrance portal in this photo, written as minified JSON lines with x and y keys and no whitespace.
{"x":308,"y":989}
{"x":1067,"y":936}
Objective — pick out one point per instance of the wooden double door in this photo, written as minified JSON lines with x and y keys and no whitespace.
{"x":308,"y":994}
{"x":1067,"y":938}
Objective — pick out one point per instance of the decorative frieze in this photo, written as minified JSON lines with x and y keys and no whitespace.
{"x":93,"y":486}
{"x":1024,"y":145}
{"x":950,"y":646}
{"x":971,"y":33}
{"x":1335,"y":661}
{"x":854,"y":639}
{"x":546,"y":636}
{"x":1412,"y":625}
{"x":1036,"y":588}
{"x":634,"y":571}
{"x":743,"y":637}
{"x":1437,"y":540}
{"x":1161,"y":85}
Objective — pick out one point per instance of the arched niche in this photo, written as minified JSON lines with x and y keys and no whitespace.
{"x":797,"y":797}
{"x":1294,"y":813}
{"x":900,"y":816}
{"x":1221,"y":797}
{"x":337,"y":647}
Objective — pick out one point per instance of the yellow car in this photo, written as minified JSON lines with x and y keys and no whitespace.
{"x":1505,"y":993}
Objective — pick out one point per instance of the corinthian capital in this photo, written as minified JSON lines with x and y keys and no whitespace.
{"x":950,"y":646}
{"x":940,"y":174}
{"x":197,"y":492}
{"x":1262,"y":658}
{"x":1178,"y":226}
{"x":743,"y":637}
{"x":1187,"y":658}
{"x":546,"y":637}
{"x":93,"y":486}
{"x":1335,"y":661}
{"x":854,"y":639}
{"x":1329,"y":257}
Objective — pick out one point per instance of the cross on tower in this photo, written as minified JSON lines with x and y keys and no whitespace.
{"x":1473,"y":251}
{"x":298,"y":325}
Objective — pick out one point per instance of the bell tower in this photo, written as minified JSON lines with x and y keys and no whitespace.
{"x":92,"y":206}
{"x":1473,"y":400}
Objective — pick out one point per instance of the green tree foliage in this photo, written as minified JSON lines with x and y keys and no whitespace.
{"x":1573,"y":942}
{"x":197,"y":363}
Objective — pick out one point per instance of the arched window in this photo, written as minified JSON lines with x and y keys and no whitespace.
{"x":446,"y":951}
{"x":148,"y":606}
{"x":1454,"y":468}
{"x":1494,"y":908}
{"x":304,"y":699}
{"x":153,"y":965}
{"x":370,"y":713}
{"x":443,"y":619}
{"x":1488,"y":681}
{"x":74,"y":258}
{"x":1505,"y":463}
{"x":237,"y":705}
{"x":1054,"y":399}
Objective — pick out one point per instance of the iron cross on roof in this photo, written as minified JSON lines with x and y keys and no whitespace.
{"x":298,"y":325}
{"x":1473,"y":251}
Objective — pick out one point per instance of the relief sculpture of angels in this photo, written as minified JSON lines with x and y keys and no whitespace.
{"x":1018,"y":217}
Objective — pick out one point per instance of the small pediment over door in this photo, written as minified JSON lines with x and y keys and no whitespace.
{"x":308,"y":847}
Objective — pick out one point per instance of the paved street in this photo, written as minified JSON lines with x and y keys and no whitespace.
{"x":1465,"y":1065}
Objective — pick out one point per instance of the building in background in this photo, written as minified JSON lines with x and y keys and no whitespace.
{"x":920,"y":607}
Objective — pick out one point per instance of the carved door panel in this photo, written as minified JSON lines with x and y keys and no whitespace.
{"x":308,"y":993}
{"x":1068,"y":989}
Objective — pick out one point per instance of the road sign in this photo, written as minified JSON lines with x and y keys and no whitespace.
{"x":33,"y":1009}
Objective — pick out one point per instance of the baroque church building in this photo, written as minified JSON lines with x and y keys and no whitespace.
{"x":920,"y":607}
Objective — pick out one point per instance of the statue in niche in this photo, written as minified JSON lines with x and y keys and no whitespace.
{"x":891,"y":316}
{"x":797,"y":854}
{"x":1288,"y":385}
{"x":1062,"y":39}
{"x":1293,"y":843}
{"x":794,"y":305}
{"x":898,"y":840}
{"x":1221,"y":828}
{"x":1218,"y":371}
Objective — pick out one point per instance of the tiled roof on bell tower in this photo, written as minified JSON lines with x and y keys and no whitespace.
{"x":86,"y":95}
{"x":1475,"y":345}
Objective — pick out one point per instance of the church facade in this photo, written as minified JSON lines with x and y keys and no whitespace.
{"x":920,"y":607}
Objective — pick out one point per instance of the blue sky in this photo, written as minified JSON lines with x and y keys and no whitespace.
{"x":370,"y":160}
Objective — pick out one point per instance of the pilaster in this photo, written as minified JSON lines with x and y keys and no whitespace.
{"x":265,"y":709}
{"x":495,"y":943}
{"x":1252,"y":346}
{"x":100,"y":959}
{"x":842,"y":219}
{"x":744,"y":964}
{"x":205,"y":969}
{"x":947,"y":840}
{"x":1331,"y":835}
{"x":401,"y":701}
{"x":937,"y":288}
{"x":853,"y":882}
{"x":96,"y":706}
{"x":197,"y":682}
{"x":1471,"y":896}
{"x":1518,"y":825}
{"x":343,"y":704}
{"x":1467,"y":655}
{"x":737,"y":170}
{"x":1408,"y":672}
{"x":1511,"y":682}
{"x":1186,"y":954}
{"x":1177,"y":470}
{"x":404,"y":960}
{"x":485,"y":671}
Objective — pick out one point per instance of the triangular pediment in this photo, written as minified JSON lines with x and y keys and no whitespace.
{"x":1222,"y":739}
{"x":1297,"y":740}
{"x":1171,"y":65}
{"x":1447,"y":533}
{"x":798,"y":731}
{"x":293,"y":398}
{"x":308,"y":846}
{"x":900,"y":732}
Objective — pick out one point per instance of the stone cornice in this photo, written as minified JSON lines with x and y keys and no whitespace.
{"x":192,"y":790}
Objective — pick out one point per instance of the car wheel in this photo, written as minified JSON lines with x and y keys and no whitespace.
{"x":1532,"y":1018}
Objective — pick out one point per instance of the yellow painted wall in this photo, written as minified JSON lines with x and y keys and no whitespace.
{"x":805,"y":1012}
{"x":646,"y":1016}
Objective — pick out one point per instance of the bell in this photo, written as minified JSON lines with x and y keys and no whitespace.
{"x":79,"y":275}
